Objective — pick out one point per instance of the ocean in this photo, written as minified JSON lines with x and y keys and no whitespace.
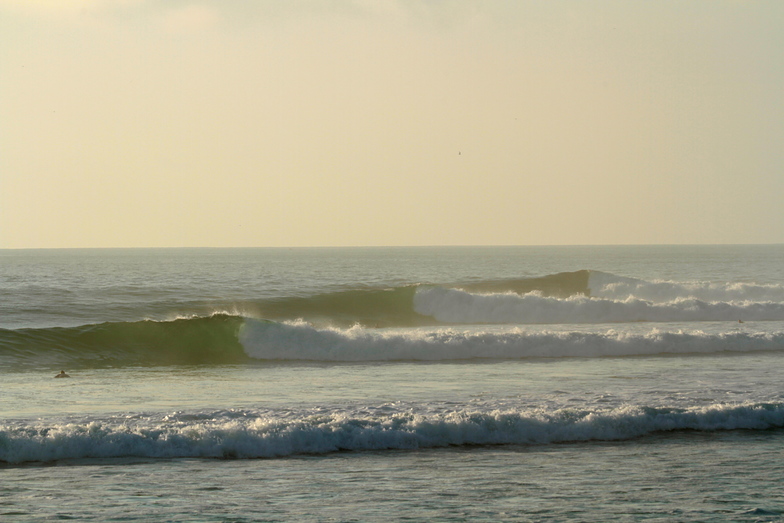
{"x":614,"y":383}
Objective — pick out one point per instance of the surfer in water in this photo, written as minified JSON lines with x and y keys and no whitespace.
{"x":62,"y":375}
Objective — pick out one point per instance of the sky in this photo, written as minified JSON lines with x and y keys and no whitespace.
{"x":213,"y":123}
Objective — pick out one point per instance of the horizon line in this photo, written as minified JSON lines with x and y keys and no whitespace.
{"x":205,"y":247}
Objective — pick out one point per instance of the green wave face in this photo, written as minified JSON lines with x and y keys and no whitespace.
{"x":561,"y":285}
{"x":188,"y":341}
{"x":367,"y":307}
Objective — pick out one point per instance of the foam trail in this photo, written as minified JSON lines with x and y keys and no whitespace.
{"x":458,"y":306}
{"x":267,"y":435}
{"x":279,"y":341}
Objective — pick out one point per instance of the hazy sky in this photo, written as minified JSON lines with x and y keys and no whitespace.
{"x":151,"y":123}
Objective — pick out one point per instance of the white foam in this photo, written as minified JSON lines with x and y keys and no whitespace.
{"x":610,"y":286}
{"x":458,"y":306}
{"x":280,"y":341}
{"x":264,"y":435}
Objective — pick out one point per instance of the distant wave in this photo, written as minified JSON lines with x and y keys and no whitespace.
{"x":569,"y":297}
{"x":267,"y":434}
{"x":610,"y":286}
{"x":584,"y":296}
{"x":598,"y":297}
{"x":394,"y":307}
{"x":560,"y":285}
{"x":372,"y":307}
{"x":281,"y":341}
{"x":457,"y":306}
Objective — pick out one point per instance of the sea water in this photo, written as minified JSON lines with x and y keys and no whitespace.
{"x":444,"y":384}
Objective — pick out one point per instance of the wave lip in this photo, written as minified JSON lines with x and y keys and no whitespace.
{"x":267,"y":436}
{"x":281,"y":341}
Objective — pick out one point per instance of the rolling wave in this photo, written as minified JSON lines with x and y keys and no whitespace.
{"x":570,"y":297}
{"x":223,"y":339}
{"x":410,"y":323}
{"x":251,"y":434}
{"x":394,"y":307}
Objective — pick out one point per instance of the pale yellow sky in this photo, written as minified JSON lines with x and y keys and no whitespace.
{"x":144,"y":123}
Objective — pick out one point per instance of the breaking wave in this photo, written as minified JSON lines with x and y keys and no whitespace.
{"x":395,"y":307}
{"x":269,"y":434}
{"x":281,"y":341}
{"x":570,"y":297}
{"x":423,"y":322}
{"x":458,"y":306}
{"x":229,"y":340}
{"x":611,"y":286}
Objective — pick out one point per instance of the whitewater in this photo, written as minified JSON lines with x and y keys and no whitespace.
{"x":503,"y":383}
